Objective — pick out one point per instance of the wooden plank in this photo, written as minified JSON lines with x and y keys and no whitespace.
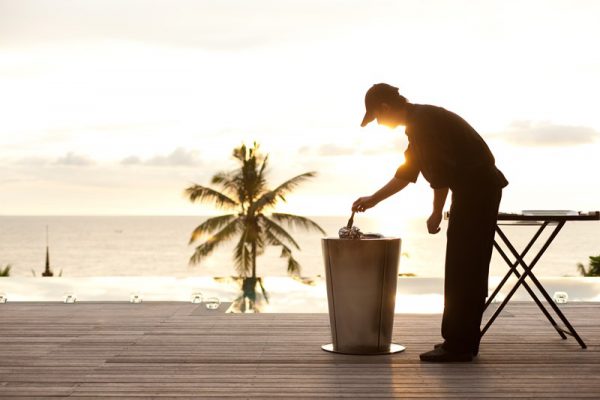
{"x":169,"y":349}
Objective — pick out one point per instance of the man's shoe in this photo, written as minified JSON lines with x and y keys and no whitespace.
{"x":475,"y":351}
{"x":442,"y":355}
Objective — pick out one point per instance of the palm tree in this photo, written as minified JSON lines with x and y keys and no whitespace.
{"x":244,"y":192}
{"x":593,"y":269}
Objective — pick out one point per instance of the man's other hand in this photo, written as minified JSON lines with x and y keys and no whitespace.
{"x":433,"y":223}
{"x":363,"y":203}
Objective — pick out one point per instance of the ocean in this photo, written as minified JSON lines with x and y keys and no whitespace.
{"x":158,"y":246}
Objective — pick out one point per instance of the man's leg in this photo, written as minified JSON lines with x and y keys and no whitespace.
{"x":470,"y":233}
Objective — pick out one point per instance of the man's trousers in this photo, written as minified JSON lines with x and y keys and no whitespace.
{"x":471,"y":228}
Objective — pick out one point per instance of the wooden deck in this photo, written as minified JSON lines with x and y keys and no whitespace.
{"x":172,"y":349}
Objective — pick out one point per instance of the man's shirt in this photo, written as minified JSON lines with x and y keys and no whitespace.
{"x":447,"y":151}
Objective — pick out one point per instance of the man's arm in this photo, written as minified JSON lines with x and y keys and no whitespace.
{"x":392,"y":187}
{"x":405,"y":174}
{"x":435,"y":219}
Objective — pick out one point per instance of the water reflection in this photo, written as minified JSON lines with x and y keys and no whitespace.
{"x":253,"y":296}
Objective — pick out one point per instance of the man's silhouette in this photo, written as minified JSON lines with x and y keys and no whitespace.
{"x":451,"y":156}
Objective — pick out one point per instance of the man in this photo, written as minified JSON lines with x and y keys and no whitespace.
{"x":451,"y":156}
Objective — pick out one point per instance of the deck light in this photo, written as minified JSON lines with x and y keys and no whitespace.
{"x":135,"y":298}
{"x":196,"y":297}
{"x":212,"y":303}
{"x":561,"y":297}
{"x":69,"y":298}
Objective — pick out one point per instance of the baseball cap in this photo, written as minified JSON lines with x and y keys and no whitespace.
{"x":377,"y":94}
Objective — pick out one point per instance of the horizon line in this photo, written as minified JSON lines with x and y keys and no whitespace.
{"x":156,"y":215}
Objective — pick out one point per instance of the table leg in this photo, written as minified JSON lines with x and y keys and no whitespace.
{"x":525,"y":273}
{"x":570,"y":330}
{"x":529,"y":290}
{"x":513,"y":266}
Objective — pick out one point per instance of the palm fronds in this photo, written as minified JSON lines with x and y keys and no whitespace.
{"x":581,"y":269}
{"x":282,"y":190}
{"x":270,"y":198}
{"x":210,"y":225}
{"x":593,"y":268}
{"x":250,"y":175}
{"x":227,"y":180}
{"x":263,"y":167}
{"x":243,"y":257}
{"x":6,"y":271}
{"x":595,"y":265}
{"x":263,"y":290}
{"x":205,"y":194}
{"x":278,"y":231}
{"x":293,"y":265}
{"x":296,"y":221}
{"x":217,"y":239}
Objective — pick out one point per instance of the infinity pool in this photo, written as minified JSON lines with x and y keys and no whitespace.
{"x":286,"y":295}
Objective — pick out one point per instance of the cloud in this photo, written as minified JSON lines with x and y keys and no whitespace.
{"x":69,"y":159}
{"x":178,"y":158}
{"x":368,"y":148}
{"x":73,"y":159}
{"x":530,"y":133}
{"x":330,"y":149}
{"x":131,"y":160}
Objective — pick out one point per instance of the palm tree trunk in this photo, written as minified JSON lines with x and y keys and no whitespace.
{"x":254,"y":259}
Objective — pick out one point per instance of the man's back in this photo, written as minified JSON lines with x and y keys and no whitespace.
{"x":449,"y":151}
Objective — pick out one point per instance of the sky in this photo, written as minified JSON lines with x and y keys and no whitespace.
{"x":115,"y":107}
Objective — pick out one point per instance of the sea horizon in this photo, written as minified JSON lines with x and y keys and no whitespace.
{"x":137,"y":245}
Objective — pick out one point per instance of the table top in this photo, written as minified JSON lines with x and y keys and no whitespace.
{"x":541,"y":216}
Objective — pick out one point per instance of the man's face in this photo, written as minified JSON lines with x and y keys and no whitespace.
{"x":388,"y":116}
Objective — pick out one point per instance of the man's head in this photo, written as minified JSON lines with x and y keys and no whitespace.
{"x":386,"y":105}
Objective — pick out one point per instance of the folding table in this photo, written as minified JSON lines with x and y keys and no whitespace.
{"x":543,"y":220}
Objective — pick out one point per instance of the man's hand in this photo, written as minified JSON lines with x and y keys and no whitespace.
{"x":363,"y":203}
{"x":433,"y":222}
{"x":435,"y":219}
